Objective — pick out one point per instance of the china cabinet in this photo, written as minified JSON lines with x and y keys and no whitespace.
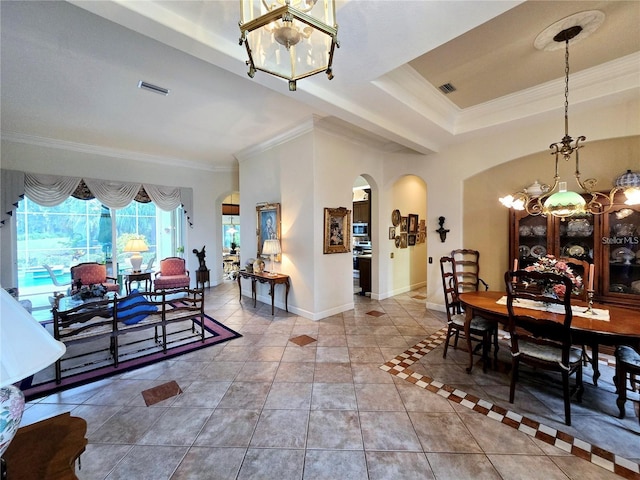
{"x":610,"y":241}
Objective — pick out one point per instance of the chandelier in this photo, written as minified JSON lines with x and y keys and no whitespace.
{"x":291,"y":39}
{"x":543,"y":199}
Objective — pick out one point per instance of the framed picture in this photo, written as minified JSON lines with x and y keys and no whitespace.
{"x":412,"y":239}
{"x":403,"y":224}
{"x":392,"y":233}
{"x":413,"y":223}
{"x":403,"y":240}
{"x":337,"y":230}
{"x":268,"y":225}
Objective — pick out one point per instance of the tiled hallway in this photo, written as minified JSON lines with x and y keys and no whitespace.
{"x":262,"y":407}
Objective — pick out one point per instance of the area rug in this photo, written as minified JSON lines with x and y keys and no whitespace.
{"x":92,"y":361}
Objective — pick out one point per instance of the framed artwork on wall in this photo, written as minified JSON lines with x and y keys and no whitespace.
{"x":337,"y":230}
{"x":413,"y":223}
{"x":268,"y":218}
{"x":403,"y":240}
{"x":404,"y":222}
{"x":392,"y":233}
{"x":412,"y":239}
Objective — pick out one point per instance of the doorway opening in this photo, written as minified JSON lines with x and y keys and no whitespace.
{"x":231,"y":236}
{"x":361,"y":236}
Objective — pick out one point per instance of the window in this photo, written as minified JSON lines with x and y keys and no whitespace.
{"x":79,"y":231}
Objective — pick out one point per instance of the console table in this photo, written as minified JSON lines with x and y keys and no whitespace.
{"x":131,"y":276}
{"x":47,"y":449}
{"x":272,"y":279}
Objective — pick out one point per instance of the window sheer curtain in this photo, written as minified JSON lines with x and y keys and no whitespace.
{"x":52,"y":190}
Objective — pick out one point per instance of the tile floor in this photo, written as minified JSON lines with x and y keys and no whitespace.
{"x":264,"y":407}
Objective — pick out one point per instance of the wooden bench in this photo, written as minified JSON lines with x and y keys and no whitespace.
{"x":104,"y":318}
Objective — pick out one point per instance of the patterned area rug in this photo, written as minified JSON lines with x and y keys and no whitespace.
{"x":91,"y":361}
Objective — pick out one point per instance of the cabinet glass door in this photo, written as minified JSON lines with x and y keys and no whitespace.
{"x":621,"y":253}
{"x":576,"y":238}
{"x":532,"y":239}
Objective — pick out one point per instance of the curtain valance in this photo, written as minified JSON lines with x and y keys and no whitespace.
{"x":51,"y":190}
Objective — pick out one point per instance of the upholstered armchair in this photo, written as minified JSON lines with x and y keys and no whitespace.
{"x":93,"y":273}
{"x":173,"y":274}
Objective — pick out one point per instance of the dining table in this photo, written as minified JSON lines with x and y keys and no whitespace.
{"x":622,"y":327}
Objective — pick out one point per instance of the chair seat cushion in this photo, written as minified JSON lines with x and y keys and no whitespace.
{"x":628,"y":355}
{"x":171,"y":281}
{"x":134,"y":308}
{"x":477,"y":323}
{"x":548,"y":353}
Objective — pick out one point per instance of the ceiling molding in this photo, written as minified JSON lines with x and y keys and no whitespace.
{"x":108,"y":152}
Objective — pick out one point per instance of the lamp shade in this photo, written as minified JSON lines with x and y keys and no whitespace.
{"x":25,"y":346}
{"x":271,"y":247}
{"x":564,"y":203}
{"x":136,"y":245}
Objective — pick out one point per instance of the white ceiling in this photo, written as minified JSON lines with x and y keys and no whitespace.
{"x":69,"y":74}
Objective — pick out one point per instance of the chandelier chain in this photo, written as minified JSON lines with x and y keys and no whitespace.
{"x":566,"y":88}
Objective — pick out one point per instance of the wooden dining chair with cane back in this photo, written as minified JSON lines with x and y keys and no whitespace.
{"x":481,"y":329}
{"x":543,"y":341}
{"x":467,"y":270}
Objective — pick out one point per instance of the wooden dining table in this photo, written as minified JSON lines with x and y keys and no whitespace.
{"x":622,"y":328}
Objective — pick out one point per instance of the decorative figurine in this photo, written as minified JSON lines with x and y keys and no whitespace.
{"x":442,"y":231}
{"x":201,"y":255}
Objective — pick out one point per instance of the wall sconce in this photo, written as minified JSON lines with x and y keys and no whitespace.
{"x":442,"y":231}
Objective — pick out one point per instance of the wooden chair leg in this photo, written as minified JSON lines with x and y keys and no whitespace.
{"x":567,"y":398}
{"x":446,"y":343}
{"x":621,"y":387}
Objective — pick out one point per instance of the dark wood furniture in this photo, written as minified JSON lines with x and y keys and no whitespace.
{"x":467,"y":270}
{"x":627,"y":363}
{"x":540,"y":342}
{"x":623,"y":326}
{"x":480,"y":328}
{"x":364,"y":267}
{"x":609,"y":241}
{"x":202,"y":276}
{"x":47,"y":449}
{"x":131,"y":276}
{"x":271,"y":279}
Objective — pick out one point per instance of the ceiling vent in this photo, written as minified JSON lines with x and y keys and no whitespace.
{"x":153,"y":88}
{"x":447,"y":88}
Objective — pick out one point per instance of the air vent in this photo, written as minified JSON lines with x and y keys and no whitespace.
{"x":153,"y":88}
{"x":447,"y":88}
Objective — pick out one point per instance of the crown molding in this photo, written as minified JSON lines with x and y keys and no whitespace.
{"x":108,"y":152}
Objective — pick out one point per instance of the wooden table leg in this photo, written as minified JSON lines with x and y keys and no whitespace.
{"x":286,"y":296}
{"x":254,"y":294}
{"x":240,"y":286}
{"x":468,"y":315}
{"x":272,"y":287}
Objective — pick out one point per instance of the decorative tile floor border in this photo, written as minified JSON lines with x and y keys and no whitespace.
{"x":399,"y":366}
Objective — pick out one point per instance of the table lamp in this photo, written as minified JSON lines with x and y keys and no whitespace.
{"x":136,"y":245}
{"x":271,"y":247}
{"x":25,"y":348}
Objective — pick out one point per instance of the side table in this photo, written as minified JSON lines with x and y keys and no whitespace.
{"x":202,"y":276}
{"x":131,"y":276}
{"x":47,"y":449}
{"x":271,"y":279}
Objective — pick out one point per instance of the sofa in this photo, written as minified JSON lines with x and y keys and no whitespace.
{"x":111,"y":318}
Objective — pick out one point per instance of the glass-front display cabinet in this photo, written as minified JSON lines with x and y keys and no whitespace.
{"x":610,"y":241}
{"x":621,"y":255}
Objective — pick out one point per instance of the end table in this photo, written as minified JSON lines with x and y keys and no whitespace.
{"x":202,"y":276}
{"x":131,"y":276}
{"x":47,"y":449}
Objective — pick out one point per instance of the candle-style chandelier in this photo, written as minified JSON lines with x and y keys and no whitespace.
{"x":543,"y":199}
{"x":291,"y":39}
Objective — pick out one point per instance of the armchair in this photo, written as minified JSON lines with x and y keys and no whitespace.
{"x":173,"y":274}
{"x":92,"y":273}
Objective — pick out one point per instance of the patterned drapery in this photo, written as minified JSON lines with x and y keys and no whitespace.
{"x":51,"y":190}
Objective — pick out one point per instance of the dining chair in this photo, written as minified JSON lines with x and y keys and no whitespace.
{"x":481,"y":329}
{"x":627,"y":363}
{"x":539,"y":340}
{"x":467,"y":270}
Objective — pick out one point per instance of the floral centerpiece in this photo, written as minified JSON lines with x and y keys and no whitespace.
{"x":550,"y":264}
{"x":84,"y":292}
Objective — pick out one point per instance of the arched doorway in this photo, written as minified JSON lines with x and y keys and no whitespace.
{"x":231,"y":236}
{"x":361,"y":236}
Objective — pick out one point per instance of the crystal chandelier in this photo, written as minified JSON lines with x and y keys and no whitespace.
{"x":291,"y":39}
{"x":542,"y":199}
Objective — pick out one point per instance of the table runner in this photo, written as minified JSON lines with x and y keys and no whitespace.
{"x":578,"y":311}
